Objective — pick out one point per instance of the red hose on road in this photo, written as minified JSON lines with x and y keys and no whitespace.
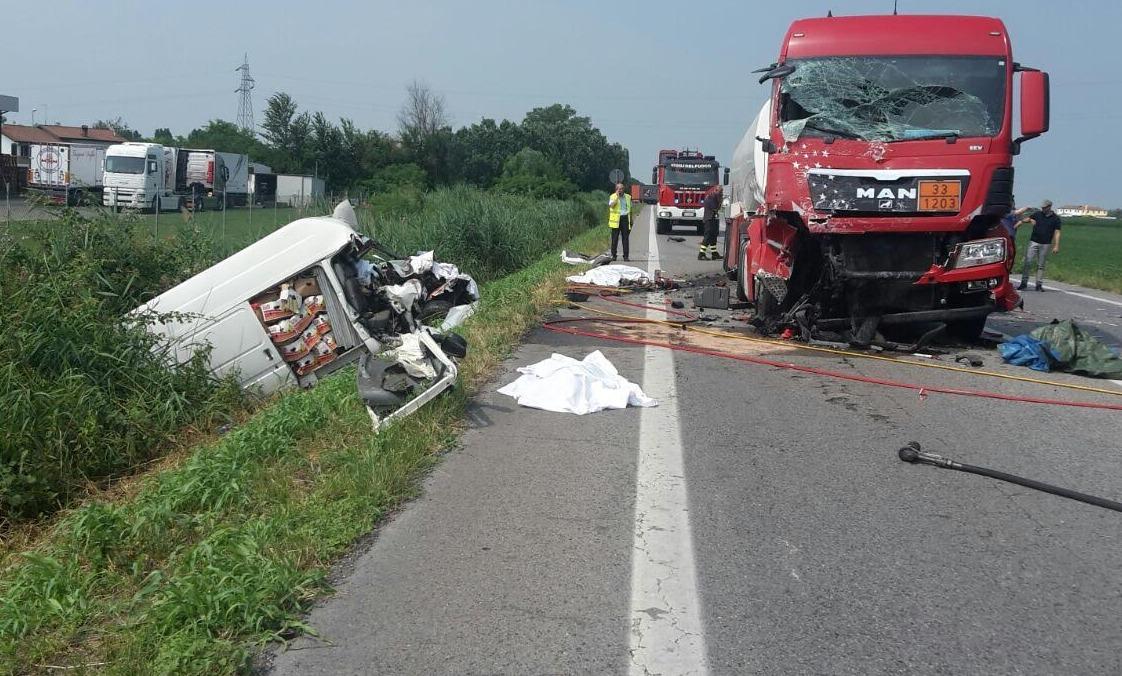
{"x":556,"y":325}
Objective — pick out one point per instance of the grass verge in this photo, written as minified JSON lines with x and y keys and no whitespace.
{"x":207,"y":560}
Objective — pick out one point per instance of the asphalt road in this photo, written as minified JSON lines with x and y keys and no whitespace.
{"x":756,"y":522}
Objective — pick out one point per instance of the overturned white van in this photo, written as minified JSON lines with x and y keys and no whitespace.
{"x":315,"y":296}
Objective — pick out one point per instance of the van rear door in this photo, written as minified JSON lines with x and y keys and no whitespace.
{"x":240,"y":344}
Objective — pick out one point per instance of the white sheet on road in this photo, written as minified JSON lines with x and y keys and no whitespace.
{"x":564,"y":385}
{"x":612,"y":275}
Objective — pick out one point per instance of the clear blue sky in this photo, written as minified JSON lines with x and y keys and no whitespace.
{"x":650,"y":74}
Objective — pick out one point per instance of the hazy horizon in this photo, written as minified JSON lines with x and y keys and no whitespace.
{"x":641,"y":78}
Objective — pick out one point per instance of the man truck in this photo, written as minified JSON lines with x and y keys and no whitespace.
{"x":683,"y":178}
{"x":868,"y":191}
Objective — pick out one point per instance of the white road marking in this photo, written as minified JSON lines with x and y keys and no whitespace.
{"x":666,"y":625}
{"x":1083,"y":295}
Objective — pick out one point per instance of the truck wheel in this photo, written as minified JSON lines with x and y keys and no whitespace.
{"x":968,"y":330}
{"x":662,"y":226}
{"x":741,"y":271}
{"x":155,"y":204}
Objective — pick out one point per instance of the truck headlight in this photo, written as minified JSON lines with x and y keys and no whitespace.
{"x":979,"y":252}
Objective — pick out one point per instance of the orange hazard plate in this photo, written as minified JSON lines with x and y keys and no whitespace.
{"x":940,"y":196}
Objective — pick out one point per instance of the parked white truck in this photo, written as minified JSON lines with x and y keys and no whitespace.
{"x":141,"y":176}
{"x":64,"y":170}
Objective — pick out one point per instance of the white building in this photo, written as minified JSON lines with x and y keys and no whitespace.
{"x":1084,"y":210}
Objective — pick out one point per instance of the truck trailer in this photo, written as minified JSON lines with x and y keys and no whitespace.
{"x":868,"y":191}
{"x":63,"y":171}
{"x":211,"y":178}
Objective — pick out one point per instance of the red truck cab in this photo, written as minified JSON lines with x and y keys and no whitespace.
{"x":886,"y":149}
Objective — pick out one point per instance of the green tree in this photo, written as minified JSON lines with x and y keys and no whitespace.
{"x":287,"y":132}
{"x":226,"y":137}
{"x":581,"y":151}
{"x":164,"y":137}
{"x":530,"y":172}
{"x":120,"y":128}
{"x":483,"y":148}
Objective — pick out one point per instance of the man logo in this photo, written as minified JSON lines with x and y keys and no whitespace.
{"x":887,"y":193}
{"x":885,"y":204}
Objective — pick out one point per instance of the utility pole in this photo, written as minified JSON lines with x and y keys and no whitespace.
{"x":245,"y":106}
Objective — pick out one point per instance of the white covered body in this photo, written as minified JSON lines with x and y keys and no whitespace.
{"x":748,"y":170}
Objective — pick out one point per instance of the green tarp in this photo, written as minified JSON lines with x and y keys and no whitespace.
{"x":1077,"y":351}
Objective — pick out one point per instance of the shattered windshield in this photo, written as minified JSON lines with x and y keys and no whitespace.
{"x":698,"y":175}
{"x":893,"y":98}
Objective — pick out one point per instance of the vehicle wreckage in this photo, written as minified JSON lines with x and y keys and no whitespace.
{"x":313,"y":297}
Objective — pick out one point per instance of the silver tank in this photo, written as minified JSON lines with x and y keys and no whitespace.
{"x":748,"y":171}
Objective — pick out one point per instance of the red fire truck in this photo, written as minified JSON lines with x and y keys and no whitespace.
{"x":683,"y":177}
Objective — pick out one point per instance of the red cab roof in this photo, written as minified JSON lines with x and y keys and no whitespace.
{"x":907,"y":34}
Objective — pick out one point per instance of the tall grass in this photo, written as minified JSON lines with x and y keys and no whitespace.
{"x":486,"y":234}
{"x":83,"y":395}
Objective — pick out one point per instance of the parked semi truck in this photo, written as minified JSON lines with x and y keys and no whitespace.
{"x":142,"y":176}
{"x":64,"y":171}
{"x":151,"y":176}
{"x":869,"y":189}
{"x":683,"y":177}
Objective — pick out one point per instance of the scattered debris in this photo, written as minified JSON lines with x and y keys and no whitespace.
{"x":969,"y":360}
{"x":714,"y":297}
{"x":677,"y":304}
{"x":582,"y":259}
{"x":612,"y":275}
{"x":676,"y":239}
{"x":564,"y":385}
{"x":667,"y":283}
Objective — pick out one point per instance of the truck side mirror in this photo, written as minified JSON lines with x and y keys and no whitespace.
{"x":654,"y":175}
{"x":768,"y":145}
{"x":1034,"y":106}
{"x":726,"y":180}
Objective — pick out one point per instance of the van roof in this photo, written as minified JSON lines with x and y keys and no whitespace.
{"x":263,"y":264}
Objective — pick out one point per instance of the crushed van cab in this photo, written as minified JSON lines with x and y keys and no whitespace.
{"x":313,"y":297}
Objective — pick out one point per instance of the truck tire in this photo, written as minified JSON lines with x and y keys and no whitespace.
{"x":741,"y":271}
{"x":662,"y":226}
{"x":968,"y":330}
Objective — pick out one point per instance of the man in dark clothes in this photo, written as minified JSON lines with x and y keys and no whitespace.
{"x":711,"y":220}
{"x":1045,"y":235}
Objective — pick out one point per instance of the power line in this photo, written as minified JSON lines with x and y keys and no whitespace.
{"x":245,"y":106}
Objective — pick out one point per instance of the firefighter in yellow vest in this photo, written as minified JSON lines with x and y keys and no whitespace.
{"x":619,"y":220}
